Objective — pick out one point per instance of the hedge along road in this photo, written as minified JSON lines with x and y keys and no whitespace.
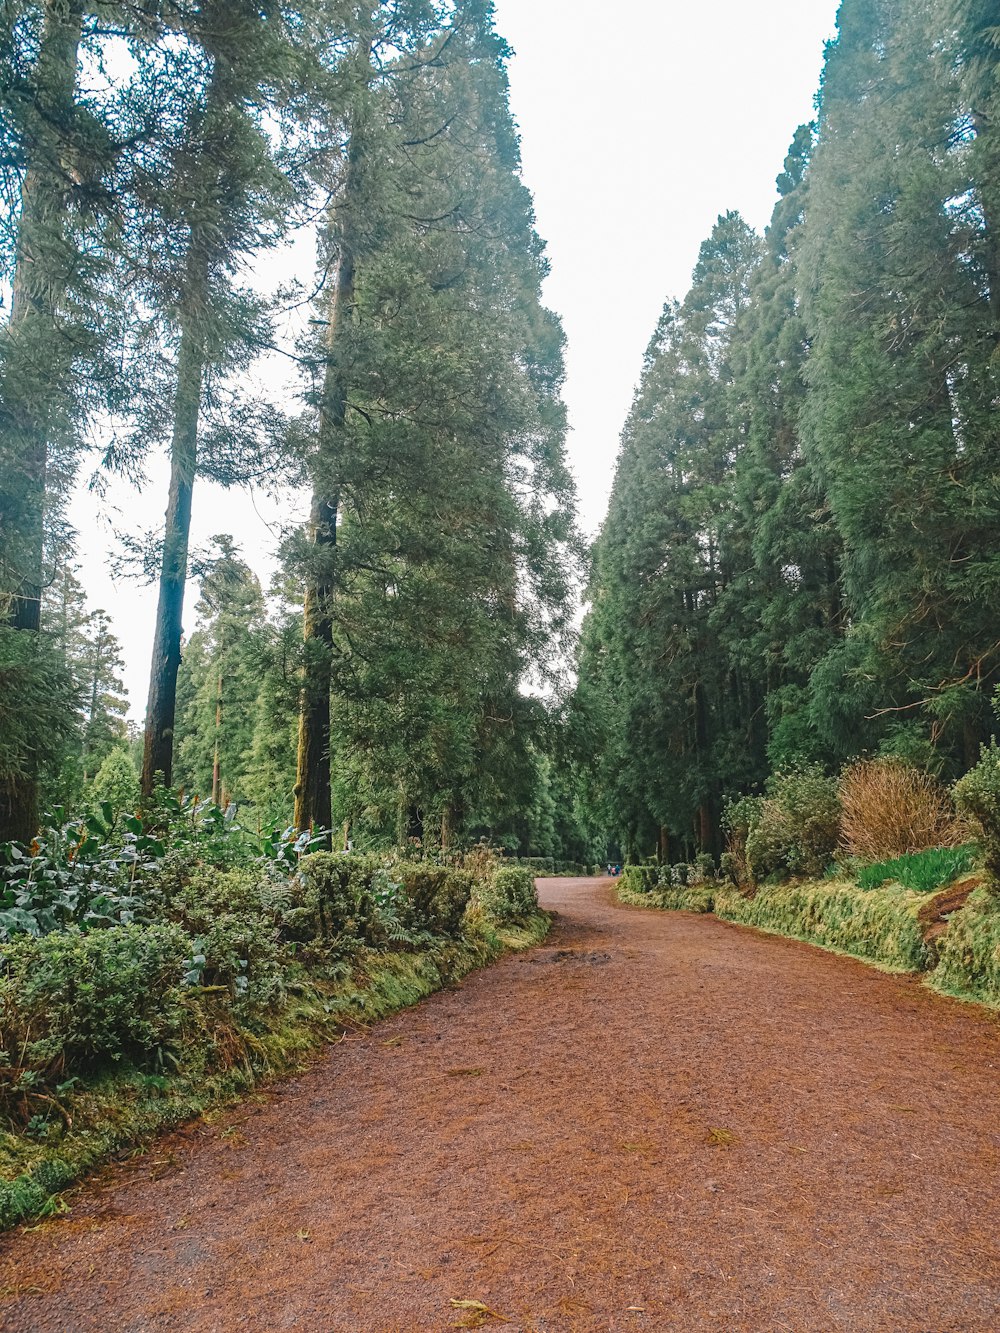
{"x":653,"y":1121}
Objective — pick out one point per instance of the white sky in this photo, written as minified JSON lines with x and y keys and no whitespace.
{"x":641,"y":121}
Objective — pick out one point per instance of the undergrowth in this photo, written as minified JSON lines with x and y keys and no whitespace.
{"x":969,"y":954}
{"x":923,"y":872}
{"x":880,"y":926}
{"x":680,"y":898}
{"x":124,"y":1106}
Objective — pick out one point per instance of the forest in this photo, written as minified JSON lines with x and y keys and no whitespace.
{"x":799,"y":566}
{"x":403,"y":677}
{"x":770,"y":686}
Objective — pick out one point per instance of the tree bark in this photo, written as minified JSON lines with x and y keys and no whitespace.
{"x":216,"y":764}
{"x":41,"y":274}
{"x":664,"y":847}
{"x":313,"y":805}
{"x":158,"y":743}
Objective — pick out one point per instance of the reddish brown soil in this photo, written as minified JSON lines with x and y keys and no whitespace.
{"x":933,"y":916}
{"x":654,"y":1121}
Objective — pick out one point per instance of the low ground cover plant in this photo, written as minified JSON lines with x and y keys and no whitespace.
{"x":923,"y":872}
{"x":881,"y":926}
{"x":969,"y":954}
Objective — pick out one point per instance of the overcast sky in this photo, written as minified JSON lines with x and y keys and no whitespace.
{"x":640,"y":121}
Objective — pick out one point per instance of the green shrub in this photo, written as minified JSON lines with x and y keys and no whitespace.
{"x":242,"y":954}
{"x":116,"y":782}
{"x":977,"y":796}
{"x":638,"y":879}
{"x":71,"y":1000}
{"x":796,"y":827}
{"x":969,"y":954}
{"x":880,"y":925}
{"x":685,"y":898}
{"x":511,"y":895}
{"x":923,"y":872}
{"x":694,"y":898}
{"x":432,"y":898}
{"x":703,"y":868}
{"x":341,"y":898}
{"x":738,"y":818}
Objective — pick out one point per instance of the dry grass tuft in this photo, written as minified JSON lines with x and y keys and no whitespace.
{"x":890,"y":809}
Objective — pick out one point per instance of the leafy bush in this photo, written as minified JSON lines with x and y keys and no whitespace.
{"x":796,"y":827}
{"x":238,"y":919}
{"x":729,"y":868}
{"x":703,"y":868}
{"x":891,"y":809}
{"x":116,"y":782}
{"x":738,"y":818}
{"x":638,"y":879}
{"x":923,"y":872}
{"x":665,"y":895}
{"x":977,"y":796}
{"x":71,"y":1000}
{"x":363,"y":898}
{"x":433,"y":898}
{"x":511,"y":895}
{"x":341,"y":895}
{"x":75,"y":873}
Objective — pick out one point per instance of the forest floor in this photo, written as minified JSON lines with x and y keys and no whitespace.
{"x":652,"y":1121}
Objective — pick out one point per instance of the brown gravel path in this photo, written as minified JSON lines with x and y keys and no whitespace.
{"x":654,"y":1121}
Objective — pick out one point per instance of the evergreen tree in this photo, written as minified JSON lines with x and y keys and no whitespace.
{"x":219,"y":680}
{"x":779,"y":613}
{"x":217,"y":196}
{"x":441,"y":542}
{"x":651,"y":646}
{"x":898,"y":420}
{"x":52,"y":174}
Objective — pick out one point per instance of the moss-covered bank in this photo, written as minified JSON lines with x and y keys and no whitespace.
{"x":125,"y":1108}
{"x":683,"y":898}
{"x":968,"y":964}
{"x":880,"y":926}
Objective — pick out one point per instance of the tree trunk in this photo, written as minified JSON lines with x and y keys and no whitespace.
{"x":985,"y":131}
{"x":664,"y":848}
{"x":216,"y":766}
{"x":158,"y":744}
{"x":42,"y":266}
{"x":312,"y":785}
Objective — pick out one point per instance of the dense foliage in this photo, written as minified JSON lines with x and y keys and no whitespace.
{"x":799,"y":562}
{"x":403,"y":676}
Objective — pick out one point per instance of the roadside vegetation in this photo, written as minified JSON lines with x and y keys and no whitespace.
{"x":156,"y":966}
{"x":799,"y":862}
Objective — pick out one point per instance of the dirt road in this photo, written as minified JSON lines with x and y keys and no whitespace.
{"x":654,"y":1121}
